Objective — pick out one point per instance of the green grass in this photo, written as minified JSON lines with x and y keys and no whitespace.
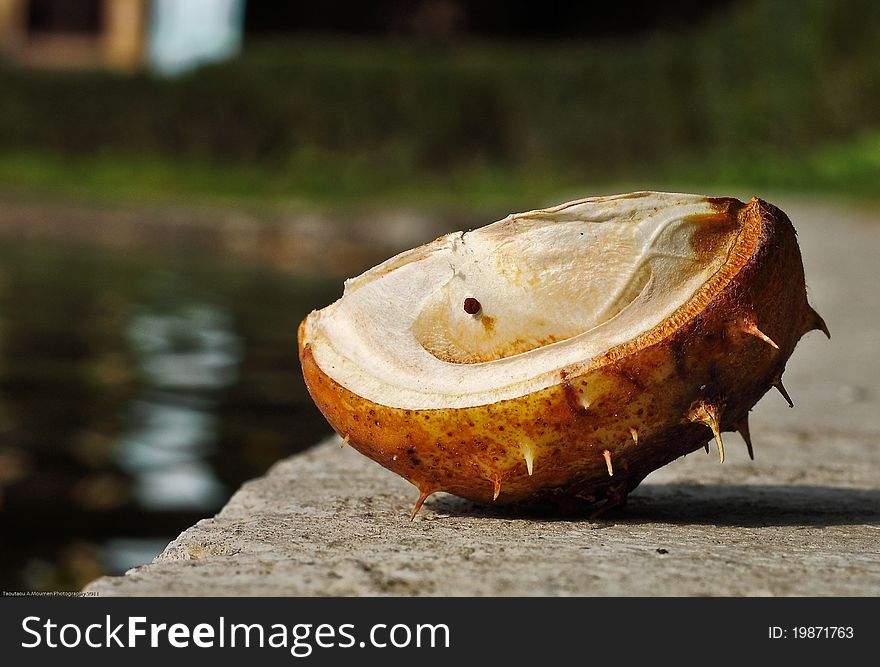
{"x":769,"y":94}
{"x":849,"y":169}
{"x":307,"y":184}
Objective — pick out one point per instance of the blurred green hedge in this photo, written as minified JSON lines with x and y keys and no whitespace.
{"x":768,"y":77}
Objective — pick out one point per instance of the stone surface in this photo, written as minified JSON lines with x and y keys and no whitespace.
{"x":803,"y":519}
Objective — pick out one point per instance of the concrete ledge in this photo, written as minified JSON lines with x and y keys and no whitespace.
{"x":330,"y":522}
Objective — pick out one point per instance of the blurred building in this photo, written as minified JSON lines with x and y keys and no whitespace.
{"x":169,"y":36}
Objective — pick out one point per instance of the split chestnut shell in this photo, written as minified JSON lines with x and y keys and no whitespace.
{"x":559,"y":356}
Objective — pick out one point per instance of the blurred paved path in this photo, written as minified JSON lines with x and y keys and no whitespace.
{"x":803,"y":519}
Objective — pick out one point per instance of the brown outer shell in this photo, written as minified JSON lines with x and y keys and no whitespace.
{"x":701,"y":353}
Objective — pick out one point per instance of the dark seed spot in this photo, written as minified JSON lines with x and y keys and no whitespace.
{"x":472,"y":306}
{"x":662,"y":551}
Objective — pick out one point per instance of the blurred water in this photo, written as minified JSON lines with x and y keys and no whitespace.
{"x":138,"y":389}
{"x":186,"y":356}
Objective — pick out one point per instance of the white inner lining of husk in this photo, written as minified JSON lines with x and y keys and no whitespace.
{"x":590,"y":275}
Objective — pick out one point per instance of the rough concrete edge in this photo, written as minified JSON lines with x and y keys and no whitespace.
{"x":180,"y":548}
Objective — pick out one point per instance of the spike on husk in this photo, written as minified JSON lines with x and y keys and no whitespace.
{"x":423,"y":496}
{"x":606,"y":454}
{"x":710,"y":415}
{"x":777,"y":382}
{"x":742,"y":428}
{"x":816,"y":322}
{"x":529,"y":457}
{"x":496,"y":488}
{"x":634,"y":433}
{"x":752,"y":329}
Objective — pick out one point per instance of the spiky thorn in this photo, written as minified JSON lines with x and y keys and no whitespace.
{"x":743,"y":429}
{"x":496,"y":488}
{"x":815,"y":322}
{"x":579,"y":406}
{"x":607,"y":456}
{"x":423,"y":496}
{"x":706,"y":446}
{"x":529,"y":456}
{"x":344,"y":442}
{"x":708,"y":414}
{"x":635,"y":435}
{"x":752,"y":329}
{"x":777,"y":382}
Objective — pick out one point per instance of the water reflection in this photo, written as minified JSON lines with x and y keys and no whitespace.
{"x":193,"y":348}
{"x":137,"y":390}
{"x":186,"y":357}
{"x":165,"y":457}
